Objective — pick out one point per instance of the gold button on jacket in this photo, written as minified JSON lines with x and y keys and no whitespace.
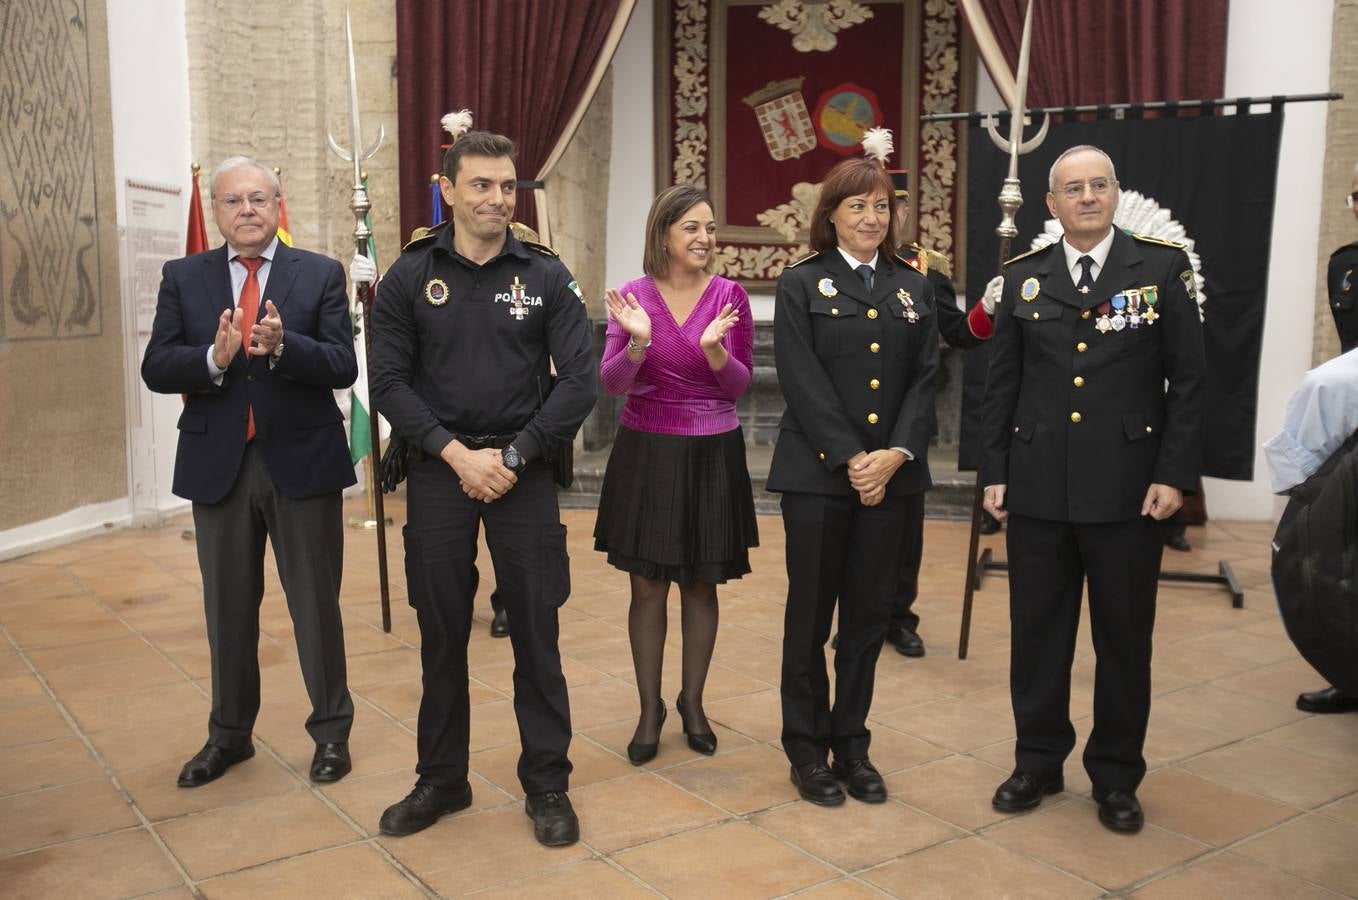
{"x":872,"y":418}
{"x":1075,"y":417}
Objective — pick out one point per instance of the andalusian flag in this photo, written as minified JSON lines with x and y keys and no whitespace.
{"x":284,"y":232}
{"x":360,"y":423}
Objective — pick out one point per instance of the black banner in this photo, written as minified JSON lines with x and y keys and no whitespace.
{"x":1216,"y":174}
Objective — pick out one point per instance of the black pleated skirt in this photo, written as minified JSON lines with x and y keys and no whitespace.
{"x":677,"y":508}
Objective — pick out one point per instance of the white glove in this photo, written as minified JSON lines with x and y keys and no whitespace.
{"x":362,"y":269}
{"x":991,"y":297}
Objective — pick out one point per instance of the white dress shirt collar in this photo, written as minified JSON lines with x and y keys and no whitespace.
{"x":1099,"y":253}
{"x":854,"y":262}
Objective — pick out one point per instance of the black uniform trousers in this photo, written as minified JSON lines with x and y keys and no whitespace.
{"x":308,"y":541}
{"x":528,"y":550}
{"x":836,"y":548}
{"x":1048,"y":565}
{"x":912,"y":554}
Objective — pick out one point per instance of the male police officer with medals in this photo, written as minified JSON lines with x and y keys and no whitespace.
{"x":469,"y":320}
{"x":1086,"y":451}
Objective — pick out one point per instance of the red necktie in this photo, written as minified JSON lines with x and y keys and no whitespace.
{"x":249,"y":305}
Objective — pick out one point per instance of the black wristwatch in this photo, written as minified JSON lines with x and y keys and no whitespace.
{"x":511,"y":459}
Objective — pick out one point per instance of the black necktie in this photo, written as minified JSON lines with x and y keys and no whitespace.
{"x":1086,"y":282}
{"x":865,"y":272}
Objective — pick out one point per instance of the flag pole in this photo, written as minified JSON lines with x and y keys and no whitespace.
{"x":360,"y":206}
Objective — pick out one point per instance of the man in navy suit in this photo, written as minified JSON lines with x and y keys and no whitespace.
{"x":256,"y":335}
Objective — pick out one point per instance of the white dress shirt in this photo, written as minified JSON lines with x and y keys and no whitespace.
{"x":1099,"y":253}
{"x":1321,"y":416}
{"x":238,"y":276}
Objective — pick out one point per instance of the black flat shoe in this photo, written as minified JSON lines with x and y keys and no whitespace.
{"x":640,"y":753}
{"x":906,"y":642}
{"x":211,"y":763}
{"x":861,"y":779}
{"x":816,"y":784}
{"x":554,"y":821}
{"x":499,"y":625}
{"x":331,"y":762}
{"x":705,"y":744}
{"x":1119,"y":810}
{"x":1330,"y":700}
{"x":424,"y":806}
{"x":1025,"y":791}
{"x":1176,"y":538}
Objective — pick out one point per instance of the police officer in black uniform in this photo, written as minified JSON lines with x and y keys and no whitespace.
{"x":469,"y":320}
{"x":1342,"y":280}
{"x":1086,"y":452}
{"x":856,"y":349}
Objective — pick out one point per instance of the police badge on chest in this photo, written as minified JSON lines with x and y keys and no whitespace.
{"x":520,"y":303}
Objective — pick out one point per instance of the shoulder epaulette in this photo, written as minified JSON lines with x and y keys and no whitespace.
{"x":422,"y":235}
{"x":915,"y":259}
{"x":801,"y":259}
{"x":1146,"y":238}
{"x":1014,"y":259}
{"x":938,"y":262}
{"x":541,"y":248}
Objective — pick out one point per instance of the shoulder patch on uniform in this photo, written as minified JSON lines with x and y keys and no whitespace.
{"x":421,"y":236}
{"x":938,"y":262}
{"x":1190,"y":284}
{"x":1145,"y":238}
{"x":1014,"y":259}
{"x":801,"y":259}
{"x":541,"y":248}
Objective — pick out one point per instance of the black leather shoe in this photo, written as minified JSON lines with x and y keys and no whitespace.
{"x":424,"y":806}
{"x":906,"y":642}
{"x":816,"y":784}
{"x":1025,"y":791}
{"x":211,"y":763}
{"x":554,"y":821}
{"x":1330,"y":700}
{"x":499,"y":626}
{"x":862,"y":780}
{"x":640,"y":753}
{"x":331,"y":762}
{"x":989,"y":524}
{"x":698,"y":742}
{"x":1119,"y":810}
{"x":1176,"y":538}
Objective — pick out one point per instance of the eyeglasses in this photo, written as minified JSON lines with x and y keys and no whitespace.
{"x":1350,"y":200}
{"x":233,"y":201}
{"x":1076,"y":189}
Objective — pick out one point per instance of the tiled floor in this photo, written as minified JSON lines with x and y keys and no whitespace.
{"x":103,"y":694}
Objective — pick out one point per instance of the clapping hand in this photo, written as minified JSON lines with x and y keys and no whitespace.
{"x":267,"y":333}
{"x":630,"y":316}
{"x":228,"y":338}
{"x":717,"y":328}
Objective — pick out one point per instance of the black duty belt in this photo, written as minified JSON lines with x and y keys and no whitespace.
{"x":482,"y":441}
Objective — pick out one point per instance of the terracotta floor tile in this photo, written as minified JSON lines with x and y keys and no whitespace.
{"x":604,"y":702}
{"x":49,"y":764}
{"x":957,"y":724}
{"x":176,"y":740}
{"x":124,"y":864}
{"x":1171,"y":738}
{"x":1246,"y":645}
{"x":44,"y":632}
{"x":841,"y":889}
{"x":1204,"y":810}
{"x":1291,"y":776}
{"x":1330,"y":737}
{"x":358,"y":871}
{"x":673,"y":750}
{"x":65,"y":813}
{"x":1279,"y":683}
{"x":758,"y":716}
{"x":591,"y":764}
{"x":365,"y":798}
{"x":250,"y":834}
{"x":1316,"y":848}
{"x":102,"y":679}
{"x":360,"y":638}
{"x":383,"y":668}
{"x":21,"y":690}
{"x":892,"y":751}
{"x":1068,"y":835}
{"x":493,"y":725}
{"x":143,"y":706}
{"x":471,"y":851}
{"x":856,"y":834}
{"x":399,"y":699}
{"x":375,"y":745}
{"x":957,"y":789}
{"x":1345,"y":810}
{"x":972,"y":867}
{"x":155,"y":790}
{"x":500,"y":676}
{"x":628,"y":811}
{"x":739,"y":858}
{"x":1228,"y":712}
{"x":743,"y":781}
{"x":32,"y":724}
{"x":585,"y":881}
{"x":1228,"y":875}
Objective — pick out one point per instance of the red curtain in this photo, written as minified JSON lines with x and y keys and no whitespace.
{"x":521,"y":67}
{"x":1116,"y":51}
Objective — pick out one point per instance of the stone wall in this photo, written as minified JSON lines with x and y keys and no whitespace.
{"x":1337,"y":225}
{"x":63,"y":431}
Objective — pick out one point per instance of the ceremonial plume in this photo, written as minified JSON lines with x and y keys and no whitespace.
{"x":877,"y":144}
{"x":457,"y":123}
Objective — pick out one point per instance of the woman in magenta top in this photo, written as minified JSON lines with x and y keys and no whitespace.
{"x":676,"y":503}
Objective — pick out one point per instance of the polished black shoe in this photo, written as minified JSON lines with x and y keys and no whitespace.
{"x":1119,"y":810}
{"x":861,"y":779}
{"x":698,"y":742}
{"x":499,"y":626}
{"x":816,"y":784}
{"x":989,"y":524}
{"x":1330,"y":700}
{"x":1176,"y":538}
{"x":1024,"y":791}
{"x":211,"y":763}
{"x":330,"y":762}
{"x":906,"y":642}
{"x":640,"y":753}
{"x":424,"y":806}
{"x":554,"y":821}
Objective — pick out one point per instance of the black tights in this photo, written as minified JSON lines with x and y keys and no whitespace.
{"x":646,"y":626}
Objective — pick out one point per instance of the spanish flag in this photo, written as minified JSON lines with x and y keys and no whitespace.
{"x":196,"y":239}
{"x":284,"y":232}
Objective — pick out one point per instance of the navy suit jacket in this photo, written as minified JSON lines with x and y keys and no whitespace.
{"x":298,"y":427}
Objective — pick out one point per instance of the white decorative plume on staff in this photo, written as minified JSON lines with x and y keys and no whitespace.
{"x":457,"y":123}
{"x":877,"y":144}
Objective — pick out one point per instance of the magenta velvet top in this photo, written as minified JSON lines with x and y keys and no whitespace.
{"x":673,"y":390}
